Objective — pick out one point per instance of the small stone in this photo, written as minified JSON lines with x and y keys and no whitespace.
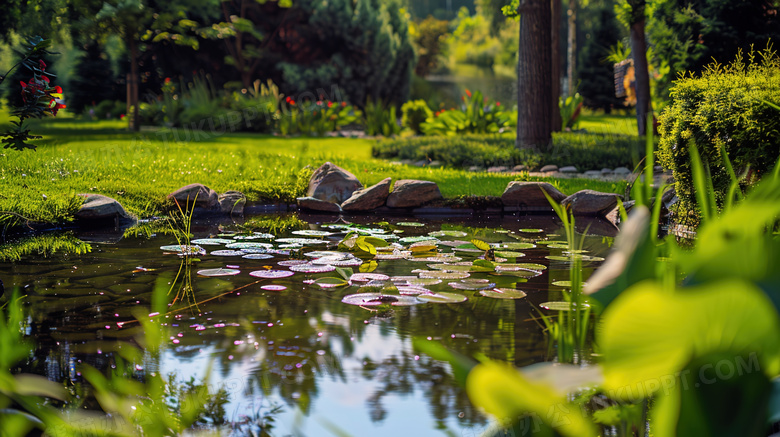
{"x":622,"y":171}
{"x":520,"y":167}
{"x":368,"y":199}
{"x":593,"y":174}
{"x":232,"y":202}
{"x":409,"y":193}
{"x":606,"y":171}
{"x":498,"y":169}
{"x":421,"y":163}
{"x":313,"y":204}
{"x":589,"y":202}
{"x":100,"y":207}
{"x":476,"y":168}
{"x":549,"y":168}
{"x":198,"y":194}
{"x":332,"y":183}
{"x":435,"y":164}
{"x":568,"y":169}
{"x":529,"y":196}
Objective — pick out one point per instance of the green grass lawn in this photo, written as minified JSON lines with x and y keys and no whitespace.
{"x":140,"y":169}
{"x":608,"y":124}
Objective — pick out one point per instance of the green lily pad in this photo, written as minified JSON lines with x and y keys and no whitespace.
{"x":304,"y":241}
{"x":472,"y":285}
{"x":331,"y":282}
{"x":376,"y":299}
{"x":244,"y":245}
{"x":560,"y":306}
{"x":531,"y":230}
{"x":313,"y":233}
{"x":517,"y":246}
{"x":183,"y":249}
{"x":219,"y":272}
{"x":409,"y":240}
{"x":410,"y":224}
{"x":443,"y":297}
{"x":503,"y":293}
{"x":450,"y":267}
{"x":509,"y":254}
{"x":432,"y":274}
{"x":457,"y":234}
{"x":211,"y":241}
{"x":566,"y":284}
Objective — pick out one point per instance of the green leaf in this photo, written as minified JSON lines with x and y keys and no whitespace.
{"x":649,"y":332}
{"x":482,"y":265}
{"x":481,"y":245}
{"x":345,"y":273}
{"x":508,"y":394}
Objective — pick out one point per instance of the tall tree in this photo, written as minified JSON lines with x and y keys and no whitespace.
{"x":534,"y":75}
{"x":571,"y":51}
{"x":555,"y":45}
{"x":641,"y":68}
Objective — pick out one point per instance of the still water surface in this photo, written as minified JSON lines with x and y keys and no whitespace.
{"x":322,"y":361}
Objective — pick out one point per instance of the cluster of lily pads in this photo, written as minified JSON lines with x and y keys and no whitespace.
{"x":443,"y":256}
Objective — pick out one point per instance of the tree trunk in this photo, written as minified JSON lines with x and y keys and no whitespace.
{"x":556,"y":64}
{"x":571,"y":53}
{"x":132,"y":98}
{"x":534,"y":78}
{"x":639,"y":52}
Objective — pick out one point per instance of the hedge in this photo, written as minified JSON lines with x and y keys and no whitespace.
{"x":729,"y":108}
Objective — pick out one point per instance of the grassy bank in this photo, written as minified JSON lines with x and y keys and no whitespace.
{"x":140,"y":169}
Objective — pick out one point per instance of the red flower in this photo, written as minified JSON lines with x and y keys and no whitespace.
{"x":58,"y":89}
{"x":343,"y":104}
{"x":468,"y":93}
{"x":121,"y":116}
{"x":24,"y":85}
{"x":287,"y":99}
{"x":41,"y":64}
{"x":319,"y":102}
{"x":45,"y":79}
{"x":498,"y":103}
{"x":330,"y":104}
{"x":292,"y":102}
{"x":167,"y":80}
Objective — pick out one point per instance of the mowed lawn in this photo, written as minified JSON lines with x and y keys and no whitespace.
{"x":140,"y":169}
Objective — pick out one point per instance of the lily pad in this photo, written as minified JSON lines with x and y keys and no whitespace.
{"x":183,"y":249}
{"x":248,"y":245}
{"x":558,"y":246}
{"x":560,"y":306}
{"x":331,"y":282}
{"x":390,"y":256}
{"x":434,"y":274}
{"x":311,"y":268}
{"x":413,"y":290}
{"x":292,"y":262}
{"x":423,"y":281}
{"x":257,"y":256}
{"x":473,"y":286}
{"x":409,"y":240}
{"x":503,"y":293}
{"x":443,"y":297}
{"x":211,"y":241}
{"x":322,"y":253}
{"x":273,"y":287}
{"x":254,"y":250}
{"x":410,"y":224}
{"x":313,"y":233}
{"x":450,"y":267}
{"x":376,"y":299}
{"x":347,"y":262}
{"x":565,"y":284}
{"x":517,"y":246}
{"x":366,"y":277}
{"x":531,"y":230}
{"x":271,"y":274}
{"x":218,"y":272}
{"x":227,"y":253}
{"x":304,"y":241}
{"x":255,"y":236}
{"x":456,"y":234}
{"x":509,"y":254}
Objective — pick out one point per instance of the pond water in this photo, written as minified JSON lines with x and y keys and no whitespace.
{"x":323,"y":362}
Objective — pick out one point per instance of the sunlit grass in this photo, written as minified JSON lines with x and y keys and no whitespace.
{"x":140,"y":169}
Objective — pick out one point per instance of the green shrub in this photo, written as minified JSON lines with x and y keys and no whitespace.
{"x":584,"y":151}
{"x":414,"y":113}
{"x":723,"y":110}
{"x":109,"y":109}
{"x":380,"y":119}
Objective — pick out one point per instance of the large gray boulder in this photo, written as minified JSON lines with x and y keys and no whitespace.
{"x":100,"y":207}
{"x":368,"y":199}
{"x":408,"y":193}
{"x":549,"y":168}
{"x":232,"y":202}
{"x":198,"y":194}
{"x":589,"y":202}
{"x":312,"y":204}
{"x":332,"y":183}
{"x":529,"y":196}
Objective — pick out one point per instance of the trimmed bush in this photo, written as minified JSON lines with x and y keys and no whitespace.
{"x":723,"y":110}
{"x":414,"y":113}
{"x":584,"y":151}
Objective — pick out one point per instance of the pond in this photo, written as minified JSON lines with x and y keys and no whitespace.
{"x":299,"y":353}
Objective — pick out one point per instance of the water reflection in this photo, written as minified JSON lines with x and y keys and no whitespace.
{"x":302,"y":348}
